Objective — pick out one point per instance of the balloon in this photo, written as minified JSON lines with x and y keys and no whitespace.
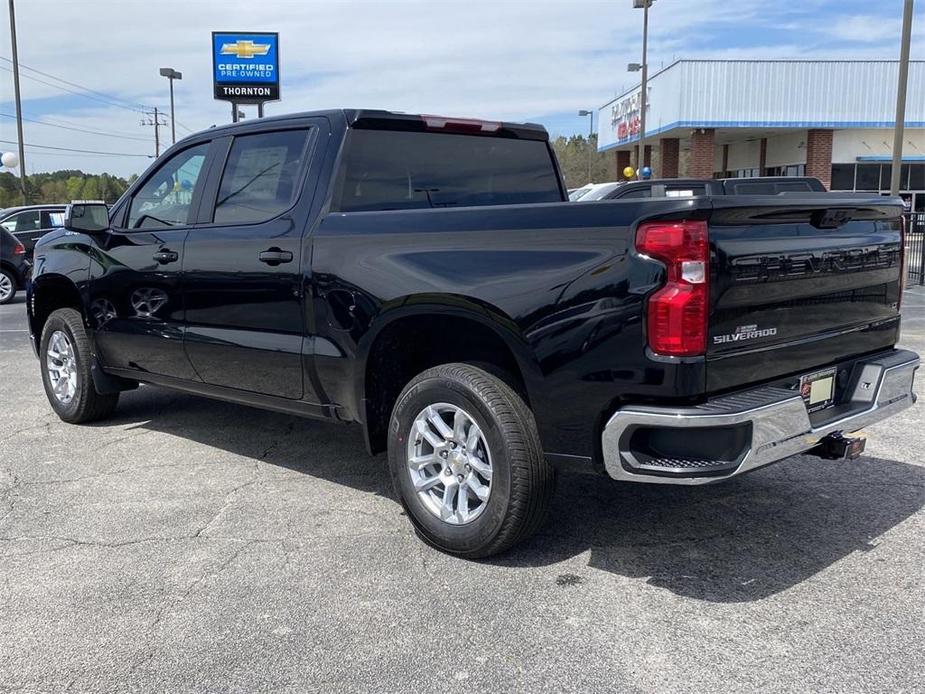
{"x":9,"y":160}
{"x":629,"y":172}
{"x":646,"y":172}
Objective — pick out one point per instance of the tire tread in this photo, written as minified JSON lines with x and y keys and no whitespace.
{"x":92,"y":406}
{"x":532,"y":478}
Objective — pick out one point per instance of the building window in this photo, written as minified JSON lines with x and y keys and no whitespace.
{"x":788,"y":170}
{"x":842,"y":176}
{"x":916,"y":176}
{"x":868,"y":177}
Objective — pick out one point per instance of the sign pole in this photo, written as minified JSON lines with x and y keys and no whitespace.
{"x":641,"y":147}
{"x":234,"y":112}
{"x":260,"y":110}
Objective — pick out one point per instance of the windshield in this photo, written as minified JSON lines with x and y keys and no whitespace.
{"x":579,"y":193}
{"x":601,"y":191}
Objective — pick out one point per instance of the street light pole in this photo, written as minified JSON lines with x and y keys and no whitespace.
{"x":584,"y":112}
{"x":899,"y":126}
{"x":18,"y":98}
{"x":172,"y":75}
{"x":641,"y":146}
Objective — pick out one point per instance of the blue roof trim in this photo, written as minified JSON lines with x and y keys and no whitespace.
{"x":835,"y":125}
{"x":887,"y":157}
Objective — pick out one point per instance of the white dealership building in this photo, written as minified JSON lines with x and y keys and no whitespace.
{"x":832,"y":119}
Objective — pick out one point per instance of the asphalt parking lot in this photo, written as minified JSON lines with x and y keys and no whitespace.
{"x":192,"y":546}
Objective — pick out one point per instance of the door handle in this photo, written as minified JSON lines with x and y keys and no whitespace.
{"x":166,"y":256}
{"x":274,"y":256}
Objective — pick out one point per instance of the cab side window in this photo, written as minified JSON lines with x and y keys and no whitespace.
{"x":30,"y":220}
{"x":52,"y":220}
{"x":261,"y":176}
{"x":166,"y":197}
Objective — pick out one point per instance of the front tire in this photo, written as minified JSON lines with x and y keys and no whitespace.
{"x":66,"y":357}
{"x":7,"y":287}
{"x":466,"y":461}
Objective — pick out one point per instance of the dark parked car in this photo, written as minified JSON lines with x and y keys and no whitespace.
{"x":30,"y":223}
{"x":14,"y":266}
{"x":422,"y":277}
{"x":690,"y":187}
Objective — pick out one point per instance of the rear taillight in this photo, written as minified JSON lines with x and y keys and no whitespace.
{"x":677,"y":313}
{"x":19,"y":249}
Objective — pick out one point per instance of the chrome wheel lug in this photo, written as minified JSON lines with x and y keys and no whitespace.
{"x":460,"y":478}
{"x":443,"y":454}
{"x":468,"y":467}
{"x":447,"y":472}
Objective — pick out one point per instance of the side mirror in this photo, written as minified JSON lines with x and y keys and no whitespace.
{"x":86,"y":217}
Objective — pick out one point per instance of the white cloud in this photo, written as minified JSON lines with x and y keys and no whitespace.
{"x":514,"y":60}
{"x":866,"y":29}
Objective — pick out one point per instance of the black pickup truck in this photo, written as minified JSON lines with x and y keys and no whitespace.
{"x":423,"y":277}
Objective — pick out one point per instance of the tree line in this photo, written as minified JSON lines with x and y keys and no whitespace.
{"x":573,"y":154}
{"x":62,"y":187}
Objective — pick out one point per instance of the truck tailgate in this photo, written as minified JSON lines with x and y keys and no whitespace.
{"x":798,"y":282}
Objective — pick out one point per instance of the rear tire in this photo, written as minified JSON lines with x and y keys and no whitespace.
{"x":493,"y":458}
{"x":66,"y":357}
{"x":7,"y":287}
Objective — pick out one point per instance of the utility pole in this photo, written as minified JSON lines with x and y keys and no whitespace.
{"x":155,"y":120}
{"x":899,"y":126}
{"x":18,"y":98}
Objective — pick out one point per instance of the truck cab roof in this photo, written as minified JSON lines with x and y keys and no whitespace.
{"x":379,"y":119}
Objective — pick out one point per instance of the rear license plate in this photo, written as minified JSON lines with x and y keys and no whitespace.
{"x":818,"y":389}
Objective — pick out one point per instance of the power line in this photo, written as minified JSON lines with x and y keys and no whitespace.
{"x":100,"y":97}
{"x":82,"y":151}
{"x":76,"y":93}
{"x":77,"y":129}
{"x":125,"y":104}
{"x":186,"y":128}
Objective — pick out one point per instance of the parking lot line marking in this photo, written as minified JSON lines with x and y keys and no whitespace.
{"x":14,"y":331}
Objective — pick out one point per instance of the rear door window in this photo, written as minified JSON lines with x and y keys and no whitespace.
{"x":30,"y":220}
{"x":261,"y":176}
{"x":52,"y":219}
{"x":393,"y":170}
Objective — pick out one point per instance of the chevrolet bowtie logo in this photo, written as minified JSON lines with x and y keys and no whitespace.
{"x":245,"y":49}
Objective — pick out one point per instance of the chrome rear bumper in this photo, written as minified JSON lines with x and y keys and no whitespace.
{"x":779,"y":423}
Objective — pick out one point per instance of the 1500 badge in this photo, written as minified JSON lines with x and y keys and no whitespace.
{"x":743,"y":333}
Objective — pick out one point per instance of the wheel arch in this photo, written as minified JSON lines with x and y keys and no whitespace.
{"x":47,"y":293}
{"x":411,"y":334}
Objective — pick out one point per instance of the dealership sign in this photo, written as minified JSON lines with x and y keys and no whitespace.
{"x":625,"y":115}
{"x":245,"y":66}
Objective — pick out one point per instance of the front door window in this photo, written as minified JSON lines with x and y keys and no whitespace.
{"x":165,"y":200}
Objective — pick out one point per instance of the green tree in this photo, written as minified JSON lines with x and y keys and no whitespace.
{"x":573,"y":154}
{"x":61,"y":187}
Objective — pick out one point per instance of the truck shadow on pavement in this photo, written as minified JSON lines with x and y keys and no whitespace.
{"x":738,"y":541}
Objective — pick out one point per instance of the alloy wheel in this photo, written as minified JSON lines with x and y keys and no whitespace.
{"x":449,"y":463}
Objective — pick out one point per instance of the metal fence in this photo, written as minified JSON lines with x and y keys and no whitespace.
{"x":915,"y":248}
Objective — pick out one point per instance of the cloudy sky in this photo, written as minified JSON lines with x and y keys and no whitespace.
{"x":516,"y":60}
